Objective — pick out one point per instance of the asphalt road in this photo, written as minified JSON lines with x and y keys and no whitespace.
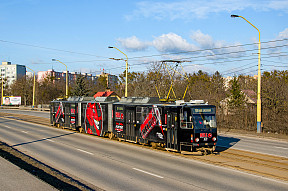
{"x":253,"y":144}
{"x":113,"y":165}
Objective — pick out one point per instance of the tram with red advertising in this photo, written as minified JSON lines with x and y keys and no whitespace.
{"x":180,"y":126}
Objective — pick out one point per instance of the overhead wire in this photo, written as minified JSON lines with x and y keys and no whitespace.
{"x":193,"y":51}
{"x":218,"y":58}
{"x":224,"y":74}
{"x":213,"y":63}
{"x":131,"y":58}
{"x":54,"y":49}
{"x":183,"y":52}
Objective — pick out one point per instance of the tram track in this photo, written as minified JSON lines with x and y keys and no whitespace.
{"x":265,"y":165}
{"x":260,"y":164}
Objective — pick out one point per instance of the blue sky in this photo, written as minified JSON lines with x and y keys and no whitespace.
{"x":78,"y":33}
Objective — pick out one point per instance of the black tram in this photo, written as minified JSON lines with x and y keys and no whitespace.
{"x":191,"y":126}
{"x":179,"y":126}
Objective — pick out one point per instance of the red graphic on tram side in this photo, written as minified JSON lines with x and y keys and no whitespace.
{"x":151,"y":120}
{"x":93,"y":119}
{"x":59,"y":114}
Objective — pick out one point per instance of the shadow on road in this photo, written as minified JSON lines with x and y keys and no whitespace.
{"x":225,"y":143}
{"x":44,"y":139}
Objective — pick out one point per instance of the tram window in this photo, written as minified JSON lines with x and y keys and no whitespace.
{"x":98,"y":110}
{"x":198,"y":122}
{"x":204,"y":121}
{"x":160,"y":110}
{"x":73,"y":107}
{"x":138,"y":109}
{"x":185,"y":119}
{"x":138,"y":114}
{"x":141,"y":114}
{"x":103,"y":112}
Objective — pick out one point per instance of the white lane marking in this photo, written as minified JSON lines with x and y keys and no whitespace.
{"x":148,"y":173}
{"x":85,"y":151}
{"x":50,"y":140}
{"x":25,"y":132}
{"x":7,"y":126}
{"x":281,"y":148}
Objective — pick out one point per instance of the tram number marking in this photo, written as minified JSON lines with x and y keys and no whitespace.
{"x":202,"y":135}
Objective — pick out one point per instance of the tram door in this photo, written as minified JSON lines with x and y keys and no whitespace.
{"x":130,"y":129}
{"x":172,"y":127}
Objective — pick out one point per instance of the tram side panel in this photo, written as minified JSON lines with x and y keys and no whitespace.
{"x":149,"y":127}
{"x":119,"y":126}
{"x":138,"y":123}
{"x":95,"y":118}
{"x":57,"y":116}
{"x":71,"y":115}
{"x":172,"y":129}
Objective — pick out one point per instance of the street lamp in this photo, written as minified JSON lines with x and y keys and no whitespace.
{"x":126,"y":75}
{"x":66,"y":76}
{"x":33,"y":88}
{"x":259,"y":129}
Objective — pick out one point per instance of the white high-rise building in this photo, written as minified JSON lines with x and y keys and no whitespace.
{"x":12,"y":72}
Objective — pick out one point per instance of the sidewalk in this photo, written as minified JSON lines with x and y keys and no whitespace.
{"x":14,"y":178}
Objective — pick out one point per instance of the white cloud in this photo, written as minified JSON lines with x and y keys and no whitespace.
{"x":283,"y":34}
{"x":172,"y":42}
{"x":279,"y":44}
{"x":214,"y":49}
{"x":166,"y":43}
{"x":278,"y":5}
{"x":188,"y":10}
{"x":133,"y":44}
{"x":204,"y":40}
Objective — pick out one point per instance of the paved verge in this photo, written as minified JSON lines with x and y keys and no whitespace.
{"x":14,"y":178}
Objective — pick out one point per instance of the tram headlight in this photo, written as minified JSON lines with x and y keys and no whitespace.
{"x":214,"y":139}
{"x":197,"y":140}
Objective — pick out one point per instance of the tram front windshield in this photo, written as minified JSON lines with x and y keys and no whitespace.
{"x":198,"y":118}
{"x":203,"y":121}
{"x":204,"y":118}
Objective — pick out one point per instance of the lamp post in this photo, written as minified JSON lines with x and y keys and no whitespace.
{"x":126,"y":75}
{"x":33,"y":102}
{"x":259,"y":129}
{"x":66,"y":76}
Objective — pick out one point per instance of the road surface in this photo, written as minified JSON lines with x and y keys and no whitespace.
{"x":113,"y":165}
{"x":253,"y":144}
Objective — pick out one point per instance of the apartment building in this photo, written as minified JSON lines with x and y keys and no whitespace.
{"x":72,"y":76}
{"x":112,"y":80}
{"x":12,"y":72}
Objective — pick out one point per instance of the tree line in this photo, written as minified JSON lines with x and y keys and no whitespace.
{"x":234,"y":110}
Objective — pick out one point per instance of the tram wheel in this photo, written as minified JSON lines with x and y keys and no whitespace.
{"x":111,"y":136}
